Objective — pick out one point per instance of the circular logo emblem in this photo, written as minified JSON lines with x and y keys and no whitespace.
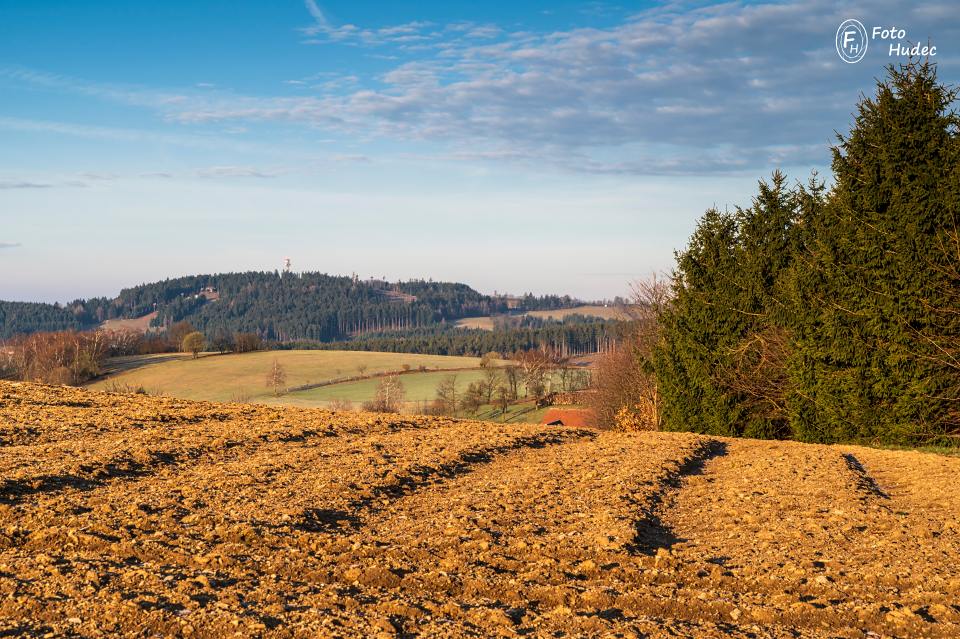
{"x":851,"y":41}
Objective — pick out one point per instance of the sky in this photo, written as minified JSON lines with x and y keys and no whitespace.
{"x":551,"y":147}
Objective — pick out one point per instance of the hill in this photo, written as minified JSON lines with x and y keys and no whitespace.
{"x":224,"y":377}
{"x":134,"y":516}
{"x":276,"y":306}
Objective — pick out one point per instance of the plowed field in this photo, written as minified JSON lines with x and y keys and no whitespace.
{"x":136,"y":516}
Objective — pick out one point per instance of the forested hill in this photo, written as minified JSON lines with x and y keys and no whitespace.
{"x":277,"y":306}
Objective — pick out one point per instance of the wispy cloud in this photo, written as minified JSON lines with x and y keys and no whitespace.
{"x":137,"y":136}
{"x":317,"y":14}
{"x":323,"y":30}
{"x":10,"y":185}
{"x":134,"y":96}
{"x":23,"y":185}
{"x":351,"y":157}
{"x":94,"y":176}
{"x":235,"y":172}
{"x":416,"y":35}
{"x":8,"y":245}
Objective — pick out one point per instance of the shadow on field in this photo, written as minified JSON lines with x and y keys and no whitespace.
{"x":865,"y":482}
{"x":423,"y":476}
{"x":651,"y":533}
{"x":327,"y":519}
{"x":13,"y":491}
{"x":23,"y":630}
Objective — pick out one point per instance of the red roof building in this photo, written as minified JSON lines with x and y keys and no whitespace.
{"x":576,"y":417}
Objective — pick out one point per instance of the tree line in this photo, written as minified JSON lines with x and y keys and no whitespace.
{"x":820,"y":313}
{"x":573,"y":336}
{"x":276,"y":306}
{"x":61,"y":357}
{"x":23,"y":318}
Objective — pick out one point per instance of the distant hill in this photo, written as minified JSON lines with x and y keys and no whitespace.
{"x":277,"y":306}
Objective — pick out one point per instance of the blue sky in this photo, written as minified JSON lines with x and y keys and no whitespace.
{"x":525,"y":146}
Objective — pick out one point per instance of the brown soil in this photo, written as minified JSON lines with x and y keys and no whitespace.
{"x":135,"y":516}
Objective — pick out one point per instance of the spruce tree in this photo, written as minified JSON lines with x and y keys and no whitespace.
{"x":695,"y":327}
{"x":721,"y":352}
{"x":877,"y":323}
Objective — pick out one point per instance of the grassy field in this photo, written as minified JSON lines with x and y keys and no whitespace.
{"x":116,"y":365}
{"x":523,"y":413}
{"x":603,"y":312}
{"x":418,"y":387}
{"x":224,"y":377}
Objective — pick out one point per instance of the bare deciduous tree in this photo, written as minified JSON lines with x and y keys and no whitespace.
{"x":491,"y":380}
{"x":625,"y":394}
{"x":503,"y":401}
{"x":512,"y":374}
{"x":535,"y":366}
{"x":389,"y":396}
{"x":446,"y":401}
{"x":277,"y":378}
{"x":66,"y":357}
{"x":247,"y":342}
{"x":341,"y":405}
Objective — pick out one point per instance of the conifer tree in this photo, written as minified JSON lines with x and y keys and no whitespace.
{"x":876,"y":320}
{"x":725,"y":322}
{"x":696,"y":326}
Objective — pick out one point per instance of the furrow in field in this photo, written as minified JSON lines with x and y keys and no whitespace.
{"x":522,"y":544}
{"x":184,"y":527}
{"x":806,"y":536}
{"x":140,"y":450}
{"x":63,"y":416}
